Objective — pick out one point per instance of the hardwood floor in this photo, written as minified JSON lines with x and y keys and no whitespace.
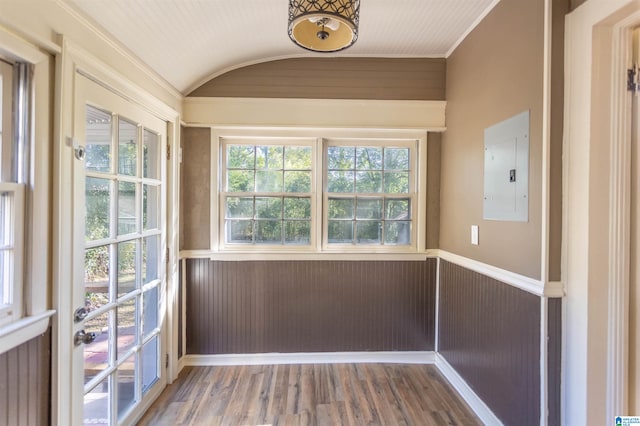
{"x":315,"y":394}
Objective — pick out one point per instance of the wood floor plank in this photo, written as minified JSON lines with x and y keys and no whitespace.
{"x":388,"y":409}
{"x":300,"y":395}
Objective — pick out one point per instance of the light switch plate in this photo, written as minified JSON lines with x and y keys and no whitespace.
{"x":474,"y":235}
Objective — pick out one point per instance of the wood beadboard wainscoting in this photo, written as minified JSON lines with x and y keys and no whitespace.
{"x":489,"y":332}
{"x":244,"y":307}
{"x":487,"y":337}
{"x":24,"y":383}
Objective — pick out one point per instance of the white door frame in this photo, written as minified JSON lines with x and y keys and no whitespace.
{"x":69,"y":61}
{"x":596,"y":210}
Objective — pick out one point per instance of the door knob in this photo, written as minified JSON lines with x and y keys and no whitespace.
{"x":83,"y":337}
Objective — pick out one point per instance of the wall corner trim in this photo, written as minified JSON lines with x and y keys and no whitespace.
{"x":474,"y":401}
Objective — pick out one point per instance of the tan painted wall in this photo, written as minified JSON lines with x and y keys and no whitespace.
{"x":496,"y":73}
{"x":333,"y":78}
{"x":195,"y":189}
{"x":434,"y":152}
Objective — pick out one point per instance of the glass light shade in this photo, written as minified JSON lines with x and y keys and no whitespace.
{"x":324,"y":25}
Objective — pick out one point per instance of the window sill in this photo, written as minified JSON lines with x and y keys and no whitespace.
{"x":23,"y":330}
{"x":288,"y":255}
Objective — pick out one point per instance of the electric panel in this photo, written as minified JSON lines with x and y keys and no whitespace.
{"x":506,"y":170}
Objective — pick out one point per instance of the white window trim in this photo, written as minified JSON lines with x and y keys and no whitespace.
{"x":315,"y":249}
{"x":34,"y":316}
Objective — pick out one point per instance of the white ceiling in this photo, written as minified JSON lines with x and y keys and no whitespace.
{"x":190,"y":41}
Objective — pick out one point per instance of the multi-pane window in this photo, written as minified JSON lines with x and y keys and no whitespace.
{"x":268,"y":193}
{"x":355,"y":193}
{"x":368,"y":194}
{"x":13,"y":146}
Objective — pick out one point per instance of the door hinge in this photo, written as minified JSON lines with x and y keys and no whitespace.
{"x":166,"y":361}
{"x":168,"y":152}
{"x":167,"y":258}
{"x":632,"y":79}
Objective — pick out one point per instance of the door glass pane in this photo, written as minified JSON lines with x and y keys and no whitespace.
{"x":97,"y":205}
{"x":151,"y":152}
{"x":150,"y":206}
{"x":126,"y":267}
{"x":96,"y":353}
{"x":96,"y":404}
{"x":126,"y":385}
{"x":127,"y":147}
{"x":98,"y":140}
{"x":126,"y":208}
{"x":150,"y":258}
{"x":150,"y":362}
{"x":96,"y":277}
{"x":150,"y":311}
{"x":126,"y":317}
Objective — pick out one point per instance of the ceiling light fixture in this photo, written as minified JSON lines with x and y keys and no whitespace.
{"x":324,"y":25}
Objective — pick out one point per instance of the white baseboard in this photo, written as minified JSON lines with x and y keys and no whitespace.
{"x":420,"y":357}
{"x":475,"y":402}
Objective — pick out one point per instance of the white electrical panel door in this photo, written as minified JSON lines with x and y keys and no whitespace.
{"x":506,"y":170}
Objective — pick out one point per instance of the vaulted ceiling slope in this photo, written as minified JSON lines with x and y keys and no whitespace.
{"x":188,"y":42}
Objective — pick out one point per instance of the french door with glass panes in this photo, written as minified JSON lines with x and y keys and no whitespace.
{"x":119,"y":272}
